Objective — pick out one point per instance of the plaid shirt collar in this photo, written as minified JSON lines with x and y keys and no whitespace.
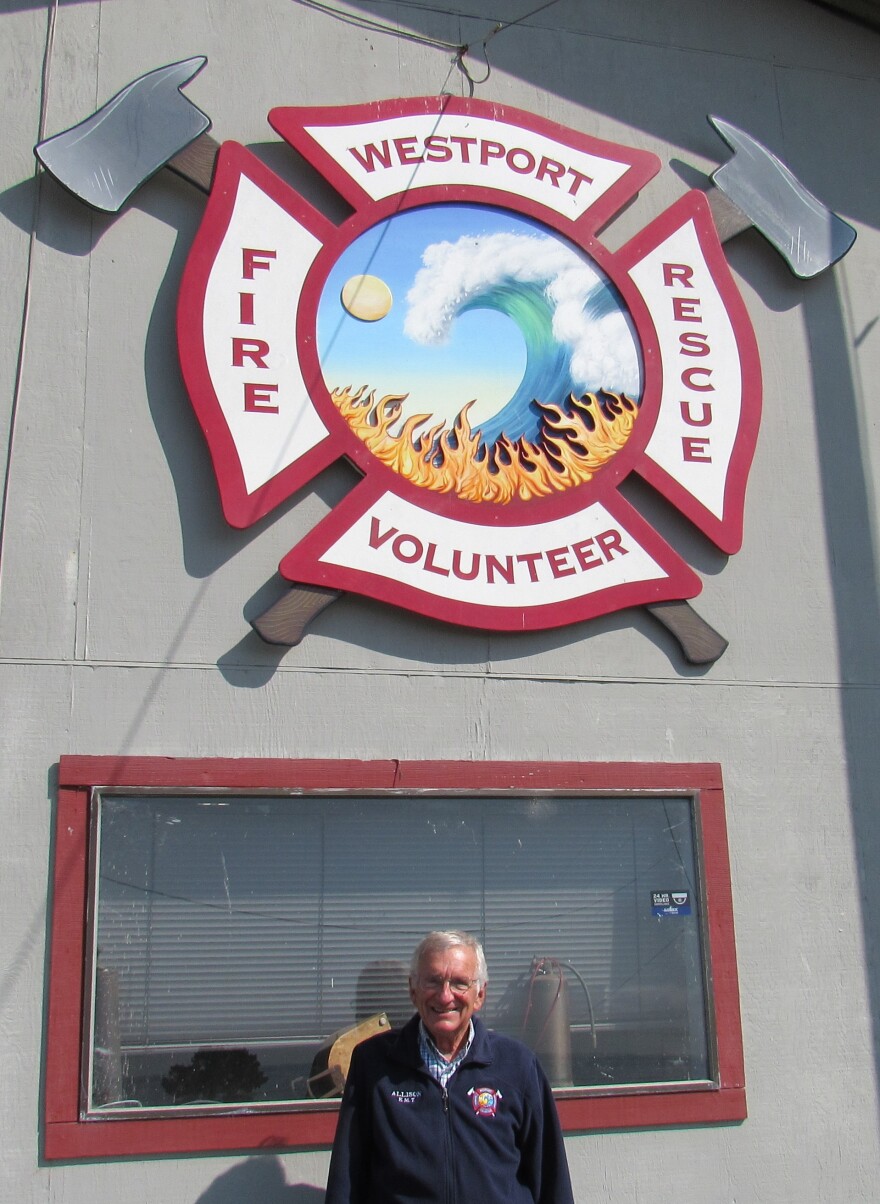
{"x":435,"y":1064}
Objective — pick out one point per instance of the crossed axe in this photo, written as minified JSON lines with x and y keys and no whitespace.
{"x":150,"y":124}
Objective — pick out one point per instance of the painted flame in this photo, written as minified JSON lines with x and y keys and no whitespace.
{"x":574,"y":444}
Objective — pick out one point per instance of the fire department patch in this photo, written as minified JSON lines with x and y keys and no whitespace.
{"x":485,"y":1100}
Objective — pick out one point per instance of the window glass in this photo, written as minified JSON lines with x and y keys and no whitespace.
{"x":234,"y":938}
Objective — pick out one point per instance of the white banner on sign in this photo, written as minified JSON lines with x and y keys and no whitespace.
{"x":395,"y":154}
{"x":701,"y":401}
{"x":509,"y":566}
{"x":250,"y":346}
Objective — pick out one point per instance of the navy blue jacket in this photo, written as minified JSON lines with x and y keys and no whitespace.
{"x":492,"y":1137}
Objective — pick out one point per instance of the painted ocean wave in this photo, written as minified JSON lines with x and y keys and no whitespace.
{"x":576,"y":332}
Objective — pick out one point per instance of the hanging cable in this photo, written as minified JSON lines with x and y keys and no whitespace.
{"x":460,"y":49}
{"x":373,"y":26}
{"x":499,"y":28}
{"x":570,"y":966}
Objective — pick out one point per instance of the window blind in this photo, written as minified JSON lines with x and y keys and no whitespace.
{"x":234,"y":920}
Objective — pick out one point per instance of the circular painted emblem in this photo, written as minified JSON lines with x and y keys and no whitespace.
{"x":478,"y":352}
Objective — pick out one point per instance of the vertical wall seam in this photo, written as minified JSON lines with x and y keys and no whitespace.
{"x":84,"y":539}
{"x":51,"y":13}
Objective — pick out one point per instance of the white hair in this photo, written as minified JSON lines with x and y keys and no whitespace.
{"x":452,"y":938}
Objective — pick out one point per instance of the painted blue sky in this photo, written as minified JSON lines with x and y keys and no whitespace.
{"x":443,"y":263}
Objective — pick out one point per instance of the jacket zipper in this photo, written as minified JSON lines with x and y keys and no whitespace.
{"x":450,"y":1178}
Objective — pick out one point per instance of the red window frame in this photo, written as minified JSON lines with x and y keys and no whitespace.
{"x":67,"y":1135}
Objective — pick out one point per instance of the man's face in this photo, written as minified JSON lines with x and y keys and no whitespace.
{"x":441,"y":997}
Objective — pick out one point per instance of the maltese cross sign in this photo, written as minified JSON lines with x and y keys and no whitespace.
{"x":466,"y":341}
{"x":470,"y":346}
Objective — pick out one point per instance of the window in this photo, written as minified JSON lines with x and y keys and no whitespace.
{"x":216,"y":925}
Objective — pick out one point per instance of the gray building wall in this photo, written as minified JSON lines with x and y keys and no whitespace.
{"x":123,"y":591}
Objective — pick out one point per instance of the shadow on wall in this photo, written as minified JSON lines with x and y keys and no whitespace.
{"x":844,"y":182}
{"x":259,"y":1178}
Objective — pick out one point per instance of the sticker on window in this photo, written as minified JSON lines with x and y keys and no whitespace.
{"x":670,"y":902}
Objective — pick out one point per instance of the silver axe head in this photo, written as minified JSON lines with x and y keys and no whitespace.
{"x":106,"y":157}
{"x":806,"y":233}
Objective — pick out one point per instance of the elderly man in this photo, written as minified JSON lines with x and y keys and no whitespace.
{"x":444,"y":1109}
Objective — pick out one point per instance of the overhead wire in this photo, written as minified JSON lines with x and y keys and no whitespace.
{"x":374,"y":26}
{"x":460,"y":49}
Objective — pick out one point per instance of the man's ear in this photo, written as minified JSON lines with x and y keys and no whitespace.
{"x":481,"y":998}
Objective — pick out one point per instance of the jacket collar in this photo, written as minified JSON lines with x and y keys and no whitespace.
{"x":405,"y":1044}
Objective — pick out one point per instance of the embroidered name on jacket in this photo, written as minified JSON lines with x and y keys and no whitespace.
{"x":406,"y":1097}
{"x":485,"y":1100}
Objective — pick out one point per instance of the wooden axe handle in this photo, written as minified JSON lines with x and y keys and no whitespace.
{"x":700,"y":643}
{"x":729,"y":219}
{"x":285,"y":622}
{"x":196,"y":162}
